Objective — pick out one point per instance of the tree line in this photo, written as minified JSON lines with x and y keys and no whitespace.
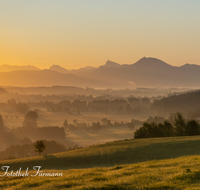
{"x":130,"y":105}
{"x":178,"y":126}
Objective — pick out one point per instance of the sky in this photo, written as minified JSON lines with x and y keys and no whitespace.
{"x":79,"y":33}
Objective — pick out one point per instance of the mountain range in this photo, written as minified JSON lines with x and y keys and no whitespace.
{"x":7,"y":68}
{"x":147,"y":72}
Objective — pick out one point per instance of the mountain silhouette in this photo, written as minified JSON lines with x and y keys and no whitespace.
{"x":151,"y":63}
{"x":111,"y":64}
{"x":59,"y":69}
{"x":72,"y":71}
{"x":7,"y":68}
{"x":146,"y":72}
{"x":150,"y":72}
{"x":47,"y":77}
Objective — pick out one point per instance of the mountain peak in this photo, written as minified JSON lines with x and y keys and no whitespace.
{"x":190,"y":65}
{"x":55,"y":66}
{"x":111,"y":64}
{"x":58,"y":68}
{"x":150,"y":61}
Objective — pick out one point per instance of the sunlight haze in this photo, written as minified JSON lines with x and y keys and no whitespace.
{"x":75,"y":34}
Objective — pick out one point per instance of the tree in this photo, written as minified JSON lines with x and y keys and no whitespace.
{"x":134,"y":101}
{"x":2,"y":133}
{"x":180,"y":124}
{"x":104,"y":121}
{"x":75,"y":122}
{"x":30,"y":120}
{"x":39,"y":146}
{"x":192,"y":128}
{"x":65,"y":124}
{"x":145,"y":101}
{"x":1,"y":124}
{"x":22,"y":107}
{"x":168,"y":129}
{"x":149,"y":130}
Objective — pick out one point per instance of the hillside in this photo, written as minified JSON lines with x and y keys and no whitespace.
{"x":172,"y":174}
{"x":185,"y":103}
{"x":153,"y":164}
{"x":111,"y":154}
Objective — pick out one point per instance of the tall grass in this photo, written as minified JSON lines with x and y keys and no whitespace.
{"x":159,"y":163}
{"x":179,"y":173}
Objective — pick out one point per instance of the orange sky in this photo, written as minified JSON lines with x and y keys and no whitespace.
{"x":75,"y":34}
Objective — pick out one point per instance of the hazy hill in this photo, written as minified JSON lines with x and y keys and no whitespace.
{"x":80,"y":72}
{"x":7,"y":68}
{"x":59,"y":69}
{"x":185,"y":103}
{"x":47,"y":78}
{"x":111,"y":64}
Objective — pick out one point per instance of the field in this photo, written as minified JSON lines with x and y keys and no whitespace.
{"x":82,"y":138}
{"x":158,"y":163}
{"x":57,"y":118}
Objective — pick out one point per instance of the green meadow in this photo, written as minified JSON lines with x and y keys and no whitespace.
{"x":157,"y":163}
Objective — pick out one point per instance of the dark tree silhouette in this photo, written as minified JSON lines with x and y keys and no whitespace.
{"x":2,"y":127}
{"x":22,"y":108}
{"x":65,"y":124}
{"x":104,"y":121}
{"x":75,"y":122}
{"x":134,"y":102}
{"x":180,"y":124}
{"x":145,"y":101}
{"x":39,"y":146}
{"x":30,"y":120}
{"x":192,"y":128}
{"x":1,"y":123}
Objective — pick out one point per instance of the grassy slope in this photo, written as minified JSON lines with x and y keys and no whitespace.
{"x":111,"y":154}
{"x":152,"y":175}
{"x":164,"y":167}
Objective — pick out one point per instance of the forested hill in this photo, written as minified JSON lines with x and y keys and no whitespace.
{"x":187,"y":102}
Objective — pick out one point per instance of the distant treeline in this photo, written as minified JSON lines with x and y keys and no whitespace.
{"x":178,"y":127}
{"x":187,"y":102}
{"x":59,"y":93}
{"x":54,"y":92}
{"x":106,"y":124}
{"x":98,"y":126}
{"x":120,"y":106}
